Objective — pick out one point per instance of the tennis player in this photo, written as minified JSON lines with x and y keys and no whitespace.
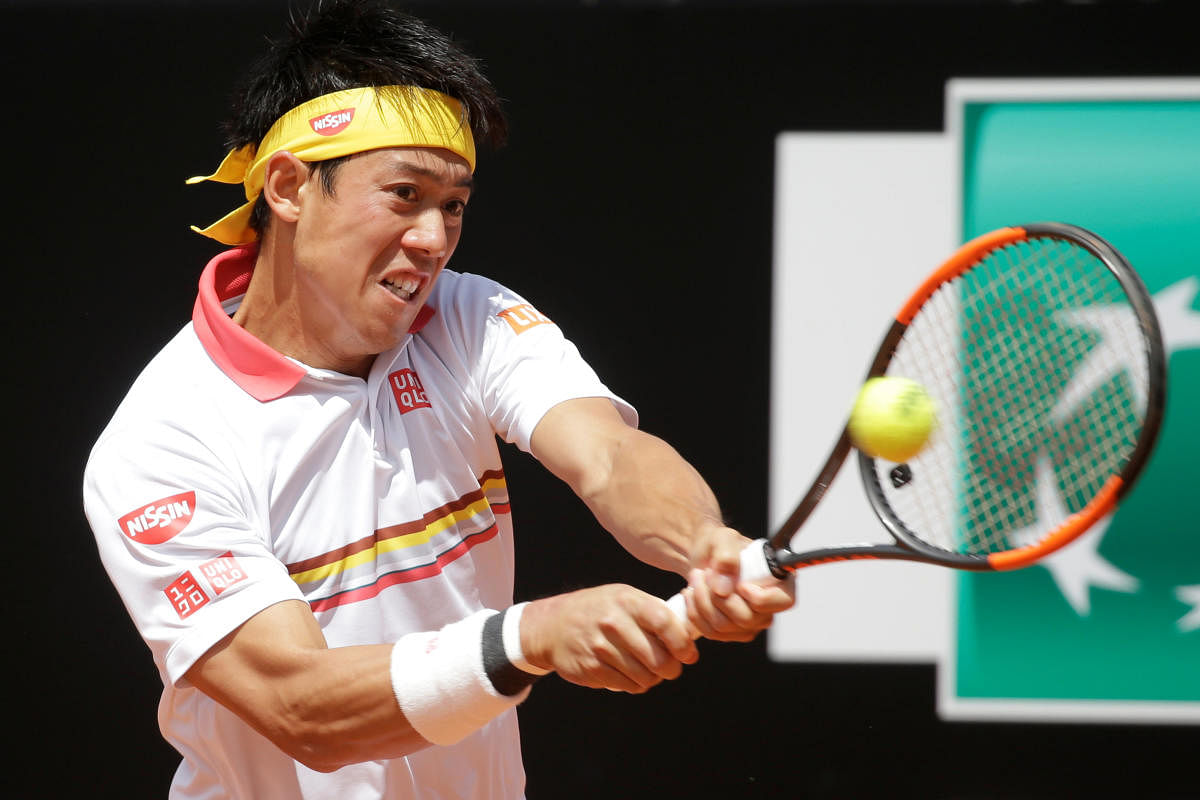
{"x":301,"y":500}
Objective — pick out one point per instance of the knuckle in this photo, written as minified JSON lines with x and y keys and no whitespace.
{"x":662,"y":661}
{"x":598,"y":644}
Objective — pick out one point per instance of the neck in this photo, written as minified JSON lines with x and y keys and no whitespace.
{"x":274,"y":312}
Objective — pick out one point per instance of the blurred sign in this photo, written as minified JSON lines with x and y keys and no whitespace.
{"x":1108,"y":629}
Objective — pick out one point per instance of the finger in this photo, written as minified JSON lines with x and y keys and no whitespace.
{"x":724,"y":562}
{"x":678,"y":643}
{"x":694,"y":633}
{"x":638,"y":654}
{"x":606,"y":676}
{"x":741,"y":615}
{"x":704,"y":612}
{"x":672,"y":633}
{"x":768,"y":599}
{"x":729,"y":619}
{"x":721,"y":583}
{"x":663,"y":642}
{"x":633,"y":669}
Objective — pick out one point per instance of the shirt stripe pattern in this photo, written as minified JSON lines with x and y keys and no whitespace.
{"x":406,"y":552}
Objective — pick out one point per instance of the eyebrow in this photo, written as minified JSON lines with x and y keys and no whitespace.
{"x":412,"y":169}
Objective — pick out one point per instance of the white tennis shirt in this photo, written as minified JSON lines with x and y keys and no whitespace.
{"x":232,"y":478}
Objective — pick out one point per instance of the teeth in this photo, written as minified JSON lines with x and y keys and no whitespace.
{"x":404,"y":289}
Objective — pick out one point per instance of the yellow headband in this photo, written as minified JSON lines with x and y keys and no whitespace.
{"x":339,"y":124}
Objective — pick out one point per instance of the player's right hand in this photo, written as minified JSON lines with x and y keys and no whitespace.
{"x":607,"y":637}
{"x":721,"y":606}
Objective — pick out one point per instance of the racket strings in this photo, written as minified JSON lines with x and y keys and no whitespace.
{"x":1037,"y":363}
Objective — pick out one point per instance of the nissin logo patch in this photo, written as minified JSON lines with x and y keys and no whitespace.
{"x":159,"y":521}
{"x":333,"y":122}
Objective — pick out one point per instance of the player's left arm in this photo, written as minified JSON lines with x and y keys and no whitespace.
{"x":660,"y":509}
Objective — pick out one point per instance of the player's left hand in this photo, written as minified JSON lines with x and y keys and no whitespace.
{"x":719,"y":605}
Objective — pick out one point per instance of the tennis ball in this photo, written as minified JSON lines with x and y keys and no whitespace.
{"x":892,"y":418}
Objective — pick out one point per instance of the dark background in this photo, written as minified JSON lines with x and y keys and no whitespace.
{"x":634,"y":207}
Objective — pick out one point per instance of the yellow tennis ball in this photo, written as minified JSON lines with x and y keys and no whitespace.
{"x":892,"y":418}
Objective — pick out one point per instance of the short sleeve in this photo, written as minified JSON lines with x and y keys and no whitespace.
{"x":524,"y":365}
{"x":181,"y":540}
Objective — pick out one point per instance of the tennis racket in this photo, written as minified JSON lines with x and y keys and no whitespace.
{"x":1041,"y":350}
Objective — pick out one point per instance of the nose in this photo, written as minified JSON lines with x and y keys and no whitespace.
{"x":427,"y":234}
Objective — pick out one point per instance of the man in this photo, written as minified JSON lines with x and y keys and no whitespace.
{"x":301,"y":500}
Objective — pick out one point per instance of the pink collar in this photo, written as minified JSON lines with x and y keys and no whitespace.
{"x":262,"y":372}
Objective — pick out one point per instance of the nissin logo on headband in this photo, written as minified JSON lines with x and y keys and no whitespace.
{"x":333,"y":122}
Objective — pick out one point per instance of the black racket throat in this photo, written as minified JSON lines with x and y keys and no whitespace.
{"x":783,"y":537}
{"x":782,"y":560}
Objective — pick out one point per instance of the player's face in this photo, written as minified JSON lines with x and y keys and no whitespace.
{"x":366,"y":257}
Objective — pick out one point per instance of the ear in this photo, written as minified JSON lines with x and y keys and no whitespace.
{"x":283,"y":185}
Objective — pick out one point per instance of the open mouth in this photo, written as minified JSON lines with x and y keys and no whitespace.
{"x":403,"y":288}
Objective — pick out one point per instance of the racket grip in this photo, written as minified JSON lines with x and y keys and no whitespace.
{"x":752,"y":568}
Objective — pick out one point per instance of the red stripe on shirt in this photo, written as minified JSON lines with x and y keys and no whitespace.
{"x":408,"y":575}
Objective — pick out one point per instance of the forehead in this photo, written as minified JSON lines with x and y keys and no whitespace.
{"x":428,"y":163}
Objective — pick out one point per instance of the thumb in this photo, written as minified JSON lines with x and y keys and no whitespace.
{"x":724,"y":562}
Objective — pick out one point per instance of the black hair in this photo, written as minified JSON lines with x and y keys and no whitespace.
{"x":346,"y":44}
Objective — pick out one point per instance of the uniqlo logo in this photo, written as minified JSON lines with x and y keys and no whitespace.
{"x":524,"y":317}
{"x":407,"y":388}
{"x":160,"y":520}
{"x":186,"y":595}
{"x":223,"y":572}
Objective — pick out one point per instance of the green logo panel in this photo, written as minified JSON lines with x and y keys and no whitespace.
{"x":1115,"y":617}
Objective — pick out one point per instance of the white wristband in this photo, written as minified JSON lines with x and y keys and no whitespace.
{"x":440,"y":683}
{"x":512,"y":641}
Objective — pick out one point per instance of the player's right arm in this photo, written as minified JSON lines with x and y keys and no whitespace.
{"x":325,"y":707}
{"x":329,"y":707}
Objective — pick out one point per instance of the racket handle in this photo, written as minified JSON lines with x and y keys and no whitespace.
{"x":753,"y":568}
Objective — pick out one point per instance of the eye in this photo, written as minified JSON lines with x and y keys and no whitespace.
{"x":456,"y":208}
{"x":406,"y":193}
